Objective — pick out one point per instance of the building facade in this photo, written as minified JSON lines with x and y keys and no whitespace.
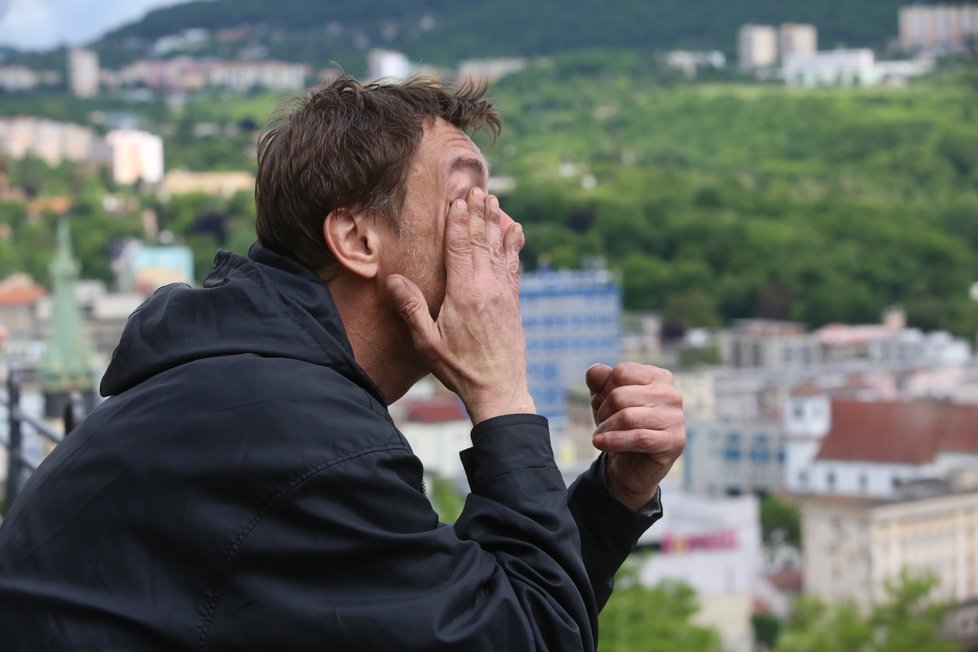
{"x":872,"y":448}
{"x":135,"y":156}
{"x":714,"y":545}
{"x":942,"y":26}
{"x":854,"y":546}
{"x":831,"y":68}
{"x":83,"y":73}
{"x":757,"y":46}
{"x":794,"y":38}
{"x":571,"y":319}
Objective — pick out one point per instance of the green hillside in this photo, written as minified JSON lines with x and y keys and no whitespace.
{"x":442,"y":32}
{"x":725,"y":201}
{"x":713,"y":201}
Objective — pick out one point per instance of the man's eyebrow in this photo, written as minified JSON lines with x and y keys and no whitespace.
{"x":469,"y":163}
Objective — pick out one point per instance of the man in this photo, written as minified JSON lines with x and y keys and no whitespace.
{"x":244,"y":487}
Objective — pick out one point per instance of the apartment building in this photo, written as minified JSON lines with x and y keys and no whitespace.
{"x":757,"y":46}
{"x":572,"y":319}
{"x":941,"y":26}
{"x":83,"y":73}
{"x":854,"y":545}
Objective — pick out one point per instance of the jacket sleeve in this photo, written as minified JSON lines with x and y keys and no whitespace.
{"x":608,"y":529}
{"x":353,"y":558}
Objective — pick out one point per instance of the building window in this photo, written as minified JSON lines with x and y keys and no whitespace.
{"x":863,"y":482}
{"x":759,"y":452}
{"x":803,"y":478}
{"x":731,"y":451}
{"x":830,"y":479}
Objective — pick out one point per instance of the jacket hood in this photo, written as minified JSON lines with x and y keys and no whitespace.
{"x":263,"y":304}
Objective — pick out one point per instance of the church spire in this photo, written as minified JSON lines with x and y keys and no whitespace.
{"x":67,"y":363}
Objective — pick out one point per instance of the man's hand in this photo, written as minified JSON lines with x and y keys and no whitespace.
{"x":639,"y":417}
{"x":476,"y":345}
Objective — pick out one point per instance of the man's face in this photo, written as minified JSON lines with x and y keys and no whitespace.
{"x":445,"y":168}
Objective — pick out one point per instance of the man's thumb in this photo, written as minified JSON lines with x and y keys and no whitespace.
{"x":597,"y":376}
{"x":410,"y":303}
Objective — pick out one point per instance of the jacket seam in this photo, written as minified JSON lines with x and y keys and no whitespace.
{"x":499,"y":476}
{"x":220,"y":583}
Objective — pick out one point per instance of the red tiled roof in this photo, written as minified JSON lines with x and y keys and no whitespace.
{"x":20,"y":296}
{"x":911,"y":432}
{"x":789,"y":580}
{"x":19,"y":290}
{"x":807,"y":388}
{"x":438,"y":409}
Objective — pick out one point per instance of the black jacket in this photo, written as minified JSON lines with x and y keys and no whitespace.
{"x":244,"y":488}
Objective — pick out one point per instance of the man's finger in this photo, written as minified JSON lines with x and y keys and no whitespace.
{"x":494,"y":238}
{"x":597,"y":376}
{"x":616,"y":399}
{"x":478,"y":236}
{"x":458,"y":248}
{"x":664,"y":443}
{"x":512,"y":243}
{"x":411,"y":304}
{"x":642,"y":418}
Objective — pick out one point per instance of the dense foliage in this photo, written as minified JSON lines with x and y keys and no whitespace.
{"x":640,"y":618}
{"x":713,"y":201}
{"x":906,"y":621}
{"x":718,"y":201}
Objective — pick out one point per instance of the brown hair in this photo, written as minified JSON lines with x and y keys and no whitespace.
{"x":348,"y":145}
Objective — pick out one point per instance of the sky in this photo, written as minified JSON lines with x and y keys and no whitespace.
{"x":43,"y":24}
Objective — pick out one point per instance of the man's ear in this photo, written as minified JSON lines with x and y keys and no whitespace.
{"x":354,"y":241}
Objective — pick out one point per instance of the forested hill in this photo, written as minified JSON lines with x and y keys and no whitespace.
{"x":443,"y":31}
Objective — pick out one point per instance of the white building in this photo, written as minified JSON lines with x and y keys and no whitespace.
{"x":135,"y":156}
{"x":942,"y":26}
{"x":853,"y":546}
{"x":871,"y":448}
{"x":185,"y":73}
{"x":387,"y":64}
{"x":757,"y":46}
{"x":797,"y":39}
{"x":17,"y":78}
{"x":831,"y":68}
{"x":690,"y":62}
{"x":714,"y":545}
{"x":490,"y":70}
{"x":724,"y":458}
{"x":53,"y":142}
{"x":242,"y":76}
{"x":83,"y":72}
{"x":437,"y":427}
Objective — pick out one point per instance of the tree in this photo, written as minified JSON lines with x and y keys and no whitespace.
{"x":906,"y":621}
{"x":639,"y":618}
{"x":780,"y":521}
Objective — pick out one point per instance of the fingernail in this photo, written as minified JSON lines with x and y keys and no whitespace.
{"x":598,"y":439}
{"x":478,"y":194}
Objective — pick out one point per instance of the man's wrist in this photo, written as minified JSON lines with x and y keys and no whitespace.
{"x":646,"y":505}
{"x":480,"y":411}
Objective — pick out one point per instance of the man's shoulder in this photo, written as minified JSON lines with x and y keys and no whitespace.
{"x":294,"y":409}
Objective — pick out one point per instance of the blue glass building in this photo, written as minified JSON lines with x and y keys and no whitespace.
{"x":572,"y":319}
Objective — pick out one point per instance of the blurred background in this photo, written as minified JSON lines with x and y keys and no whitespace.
{"x":776,"y":200}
